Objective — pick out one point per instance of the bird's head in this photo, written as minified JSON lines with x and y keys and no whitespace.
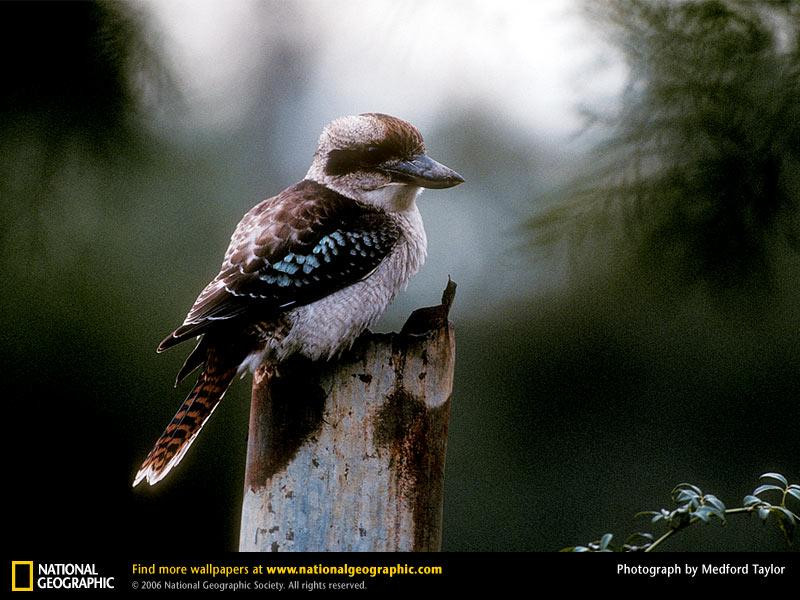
{"x":379,"y":160}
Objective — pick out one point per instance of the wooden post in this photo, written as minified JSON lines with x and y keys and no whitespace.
{"x":351,"y":458}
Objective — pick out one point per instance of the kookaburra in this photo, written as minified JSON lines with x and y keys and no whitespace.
{"x":308,"y":270}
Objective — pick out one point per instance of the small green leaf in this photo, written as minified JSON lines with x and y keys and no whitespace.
{"x":787,"y":521}
{"x":639,"y":535}
{"x":763,"y":488}
{"x":702,"y":513}
{"x":776,"y":477}
{"x":794,"y":492}
{"x":794,"y":486}
{"x":751,"y":500}
{"x":786,"y":513}
{"x":714,"y":501}
{"x":763,"y":513}
{"x":689,"y":486}
{"x":605,"y":540}
{"x":686,"y":496}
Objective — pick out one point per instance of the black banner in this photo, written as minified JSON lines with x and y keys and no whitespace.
{"x":358,"y":573}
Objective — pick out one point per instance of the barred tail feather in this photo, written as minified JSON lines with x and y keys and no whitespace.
{"x":187,"y":422}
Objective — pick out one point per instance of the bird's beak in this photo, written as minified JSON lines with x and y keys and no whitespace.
{"x":423,"y":171}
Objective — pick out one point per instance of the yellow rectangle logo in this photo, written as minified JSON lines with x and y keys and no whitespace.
{"x":23,"y":583}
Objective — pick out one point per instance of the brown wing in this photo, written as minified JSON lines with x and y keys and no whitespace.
{"x":291,"y":250}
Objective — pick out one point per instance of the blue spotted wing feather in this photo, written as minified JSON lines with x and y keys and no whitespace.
{"x":288,"y":251}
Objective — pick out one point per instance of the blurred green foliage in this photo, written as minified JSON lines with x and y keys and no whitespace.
{"x":74,"y":70}
{"x":699,"y":171}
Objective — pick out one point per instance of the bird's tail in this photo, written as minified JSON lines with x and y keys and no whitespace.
{"x":171,"y":447}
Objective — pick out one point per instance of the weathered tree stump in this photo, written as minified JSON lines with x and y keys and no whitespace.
{"x":349,"y":455}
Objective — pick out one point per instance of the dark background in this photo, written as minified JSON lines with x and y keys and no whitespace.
{"x":647,"y":331}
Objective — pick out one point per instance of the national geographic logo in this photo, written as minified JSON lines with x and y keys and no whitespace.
{"x":25,"y":577}
{"x":21,"y":575}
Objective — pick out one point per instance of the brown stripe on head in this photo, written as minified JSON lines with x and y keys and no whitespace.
{"x":365,"y":141}
{"x":400,"y":135}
